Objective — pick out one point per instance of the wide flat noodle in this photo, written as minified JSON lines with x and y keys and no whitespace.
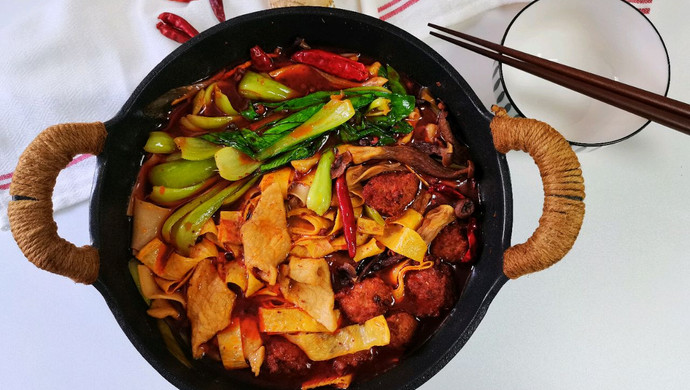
{"x":287,"y":320}
{"x":305,"y":222}
{"x":339,"y":382}
{"x":434,"y":221}
{"x":177,"y":266}
{"x":252,"y":346}
{"x":281,"y":176}
{"x":358,"y":173}
{"x":370,"y":248}
{"x":209,"y":304}
{"x":230,"y":346}
{"x":265,"y":235}
{"x":237,"y":274}
{"x":307,"y":284}
{"x":350,"y":339}
{"x":146,"y":221}
{"x":229,"y":226}
{"x":151,"y":290}
{"x":161,"y":308}
{"x":152,"y":255}
{"x":314,"y":247}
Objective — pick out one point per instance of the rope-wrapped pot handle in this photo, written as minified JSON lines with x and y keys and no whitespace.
{"x":31,"y":209}
{"x":564,"y":192}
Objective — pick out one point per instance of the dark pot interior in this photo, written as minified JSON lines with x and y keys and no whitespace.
{"x":228,"y":44}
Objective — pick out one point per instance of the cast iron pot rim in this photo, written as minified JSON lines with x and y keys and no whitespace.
{"x":494,"y":285}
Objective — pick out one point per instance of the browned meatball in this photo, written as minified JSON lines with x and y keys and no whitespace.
{"x":450,"y":244}
{"x":429,"y":290}
{"x":343,"y":364}
{"x":285,"y":357}
{"x":402,"y":326}
{"x":366,"y":299}
{"x":390,"y":193}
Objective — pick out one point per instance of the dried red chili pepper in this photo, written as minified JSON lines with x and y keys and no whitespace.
{"x":472,"y":228}
{"x":446,"y":190}
{"x":261,"y":61}
{"x":347,"y":214}
{"x":175,"y":27}
{"x":332,"y":63}
{"x":218,"y":9}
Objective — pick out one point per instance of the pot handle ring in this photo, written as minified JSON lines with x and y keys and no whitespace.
{"x":564,"y":192}
{"x":31,"y":209}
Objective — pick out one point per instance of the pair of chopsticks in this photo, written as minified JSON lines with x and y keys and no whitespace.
{"x":661,"y":109}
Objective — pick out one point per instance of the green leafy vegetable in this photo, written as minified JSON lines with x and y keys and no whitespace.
{"x":331,"y":115}
{"x":299,"y":153}
{"x":394,"y":81}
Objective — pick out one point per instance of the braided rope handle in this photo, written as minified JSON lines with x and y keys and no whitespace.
{"x":564,"y":192}
{"x":31,"y":210}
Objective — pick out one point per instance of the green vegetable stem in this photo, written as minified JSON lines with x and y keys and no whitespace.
{"x":319,"y":196}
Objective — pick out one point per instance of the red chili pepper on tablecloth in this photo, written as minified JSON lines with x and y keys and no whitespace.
{"x":332,"y":63}
{"x":261,"y":61}
{"x":218,"y":9}
{"x":175,"y":27}
{"x":472,"y":228}
{"x":347,"y":213}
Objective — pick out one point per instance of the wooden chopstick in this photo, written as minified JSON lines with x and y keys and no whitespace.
{"x":666,"y":111}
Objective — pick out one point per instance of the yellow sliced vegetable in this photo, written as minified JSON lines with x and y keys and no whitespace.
{"x":347,"y":340}
{"x":404,"y":241}
{"x":410,"y":219}
{"x":369,"y":226}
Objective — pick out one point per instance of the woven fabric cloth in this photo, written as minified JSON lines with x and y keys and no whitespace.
{"x":79,"y":60}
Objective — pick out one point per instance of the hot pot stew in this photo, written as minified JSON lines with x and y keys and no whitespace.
{"x":306,"y":216}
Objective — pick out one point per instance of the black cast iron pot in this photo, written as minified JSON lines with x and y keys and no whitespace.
{"x":118,"y":144}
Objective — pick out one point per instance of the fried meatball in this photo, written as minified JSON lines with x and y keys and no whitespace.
{"x":402,"y":326}
{"x":450,"y":244}
{"x":429,"y":290}
{"x":285,"y":357}
{"x":366,"y":299}
{"x":343,"y":364}
{"x":390,"y":193}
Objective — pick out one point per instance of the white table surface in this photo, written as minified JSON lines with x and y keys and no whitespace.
{"x":613,"y":314}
